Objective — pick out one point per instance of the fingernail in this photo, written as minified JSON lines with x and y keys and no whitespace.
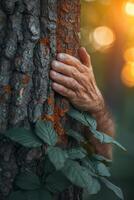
{"x":61,"y":56}
{"x":54,"y":63}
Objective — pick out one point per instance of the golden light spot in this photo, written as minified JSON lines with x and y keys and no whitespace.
{"x":129,"y":54}
{"x":129,"y":8}
{"x":127,"y":74}
{"x":106,"y":2}
{"x":103,"y":37}
{"x":89,"y":0}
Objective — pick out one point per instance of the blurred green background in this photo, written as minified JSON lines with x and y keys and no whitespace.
{"x":107,"y":32}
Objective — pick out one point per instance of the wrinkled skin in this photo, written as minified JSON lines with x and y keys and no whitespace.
{"x":74,"y":79}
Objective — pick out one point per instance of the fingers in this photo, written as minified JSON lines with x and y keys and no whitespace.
{"x":66,"y":81}
{"x":65,"y":69}
{"x":84,"y":56}
{"x":63,"y":90}
{"x":70,"y":60}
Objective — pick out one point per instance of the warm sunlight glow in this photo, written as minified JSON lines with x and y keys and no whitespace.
{"x":129,"y":8}
{"x":103,"y":37}
{"x":129,"y":55}
{"x":127,"y":75}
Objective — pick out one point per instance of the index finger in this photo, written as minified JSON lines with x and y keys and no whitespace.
{"x":70,"y":60}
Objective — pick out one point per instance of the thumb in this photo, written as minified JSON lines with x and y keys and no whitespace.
{"x":84,"y":56}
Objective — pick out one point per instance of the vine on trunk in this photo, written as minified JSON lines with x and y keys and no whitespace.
{"x":63,"y":166}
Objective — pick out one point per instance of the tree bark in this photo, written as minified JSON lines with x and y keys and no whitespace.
{"x":31,"y":33}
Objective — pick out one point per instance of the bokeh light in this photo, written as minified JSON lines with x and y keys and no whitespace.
{"x":105,"y":2}
{"x":103,"y":37}
{"x":129,"y":55}
{"x":129,"y":8}
{"x":127,"y":74}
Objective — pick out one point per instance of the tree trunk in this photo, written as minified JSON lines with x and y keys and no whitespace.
{"x":31,"y":33}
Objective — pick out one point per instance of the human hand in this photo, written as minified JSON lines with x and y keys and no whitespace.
{"x":74,"y":79}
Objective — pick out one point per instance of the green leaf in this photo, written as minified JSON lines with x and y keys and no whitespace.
{"x":39,"y":195}
{"x":101,"y":158}
{"x":83,"y":117}
{"x":95,"y":187}
{"x":28,"y":181}
{"x":24,"y":137}
{"x":86,"y":162}
{"x":112,"y":187}
{"x":102,"y":170}
{"x":87,"y":120}
{"x":80,"y":176}
{"x":76,"y":153}
{"x":77,"y":174}
{"x":45,"y":131}
{"x":96,"y":168}
{"x":57,"y":156}
{"x":57,"y":182}
{"x":91,"y":121}
{"x":48,"y":166}
{"x":77,"y":115}
{"x":104,"y":138}
{"x":75,"y":135}
{"x":17,"y":195}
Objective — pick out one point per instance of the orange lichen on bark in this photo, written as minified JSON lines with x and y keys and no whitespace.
{"x":45,"y":41}
{"x":7,"y":88}
{"x":50,"y":101}
{"x":56,"y":118}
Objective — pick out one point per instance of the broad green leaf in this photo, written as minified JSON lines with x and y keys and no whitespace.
{"x":119,"y":145}
{"x":45,"y":131}
{"x":41,"y":194}
{"x":57,"y":156}
{"x":77,"y":174}
{"x":101,"y":158}
{"x":86,"y":162}
{"x":104,"y":138}
{"x":57,"y":182}
{"x":76,"y":153}
{"x":112,"y":187}
{"x":77,"y":115}
{"x":17,"y":195}
{"x":102,"y":170}
{"x":89,"y":121}
{"x":28,"y":181}
{"x":96,"y":168}
{"x":75,"y":135}
{"x":82,"y":117}
{"x":24,"y":137}
{"x":95,"y":187}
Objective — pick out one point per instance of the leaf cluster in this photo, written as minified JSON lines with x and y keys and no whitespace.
{"x":63,"y":167}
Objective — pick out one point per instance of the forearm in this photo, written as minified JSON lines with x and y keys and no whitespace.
{"x":104,"y":121}
{"x":105,"y":124}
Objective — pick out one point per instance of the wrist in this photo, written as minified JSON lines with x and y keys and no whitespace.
{"x":99,"y":109}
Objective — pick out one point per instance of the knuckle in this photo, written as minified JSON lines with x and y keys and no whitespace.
{"x":68,"y":94}
{"x":74,"y":72}
{"x":73,"y":84}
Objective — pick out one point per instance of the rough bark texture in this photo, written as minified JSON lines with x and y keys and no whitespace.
{"x":31,"y":33}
